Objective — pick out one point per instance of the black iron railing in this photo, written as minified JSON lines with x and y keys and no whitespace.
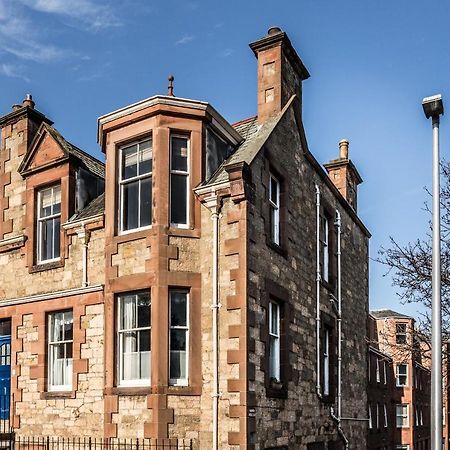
{"x":88,"y":443}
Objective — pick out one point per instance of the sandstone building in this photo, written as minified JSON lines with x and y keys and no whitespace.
{"x":399,"y":384}
{"x":210,"y":282}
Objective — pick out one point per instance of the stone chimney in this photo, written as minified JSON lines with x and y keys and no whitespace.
{"x":344,"y":175}
{"x":280,"y":73}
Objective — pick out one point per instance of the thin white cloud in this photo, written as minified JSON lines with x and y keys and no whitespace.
{"x":227,"y":52}
{"x":10,"y":70}
{"x":93,"y":14}
{"x":185,"y":39}
{"x":19,"y":38}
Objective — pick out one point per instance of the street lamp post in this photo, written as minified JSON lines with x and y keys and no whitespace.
{"x":434,"y":108}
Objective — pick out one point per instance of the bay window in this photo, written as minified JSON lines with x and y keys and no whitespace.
{"x":274,"y":341}
{"x":60,"y":346}
{"x":134,"y":338}
{"x":179,"y":337}
{"x":135,"y":185}
{"x":48,"y":224}
{"x":179,"y":181}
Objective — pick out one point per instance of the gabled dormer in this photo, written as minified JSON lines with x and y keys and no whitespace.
{"x":61,"y":179}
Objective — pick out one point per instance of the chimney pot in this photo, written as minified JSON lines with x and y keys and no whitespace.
{"x":343,"y":149}
{"x":273,"y":30}
{"x":28,"y":101}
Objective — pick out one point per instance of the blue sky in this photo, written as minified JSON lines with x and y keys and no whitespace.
{"x":371,"y":63}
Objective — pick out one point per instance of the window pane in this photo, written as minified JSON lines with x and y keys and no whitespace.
{"x":56,"y":199}
{"x":56,"y":327}
{"x":128,"y":316}
{"x":130,"y":205}
{"x":143,"y":310}
{"x":274,"y":357}
{"x":274,"y":324}
{"x":179,"y":154}
{"x":178,"y":339}
{"x":46,"y":202}
{"x":178,"y":365}
{"x":178,"y":199}
{"x":129,"y":162}
{"x":144,"y":341}
{"x":146,"y":202}
{"x":129,"y":341}
{"x":68,"y":326}
{"x":145,"y":365}
{"x":57,"y":237}
{"x":274,"y":190}
{"x":46,"y":239}
{"x":145,"y":157}
{"x":130,"y":367}
{"x":178,"y":309}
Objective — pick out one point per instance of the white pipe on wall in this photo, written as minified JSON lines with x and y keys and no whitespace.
{"x":213,"y":204}
{"x":318,"y":279}
{"x":339,"y":316}
{"x":84,"y":236}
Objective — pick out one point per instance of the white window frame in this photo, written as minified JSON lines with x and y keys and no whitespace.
{"x":51,"y":346}
{"x":370,"y":417}
{"x":384,"y":372}
{"x":378,"y":376}
{"x":186,"y":174}
{"x":180,"y":381}
{"x":41,"y":220}
{"x":402,"y":333}
{"x":385,"y":416}
{"x":377,"y":410}
{"x":326,"y":250}
{"x":402,"y":416}
{"x":398,"y":375}
{"x":275,"y":335}
{"x":120,"y":352}
{"x":326,"y":362}
{"x":138,"y":178}
{"x":402,"y":447}
{"x":275,"y":232}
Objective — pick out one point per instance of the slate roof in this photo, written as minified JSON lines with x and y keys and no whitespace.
{"x":388,"y":314}
{"x":92,"y":164}
{"x":95,"y":208}
{"x":255,"y":135}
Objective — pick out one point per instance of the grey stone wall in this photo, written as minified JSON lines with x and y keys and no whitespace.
{"x":301,"y":417}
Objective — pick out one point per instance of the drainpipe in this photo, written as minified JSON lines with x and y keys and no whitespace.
{"x":338,"y":418}
{"x":213,"y":204}
{"x":84,"y":236}
{"x":318,"y":278}
{"x":339,"y":315}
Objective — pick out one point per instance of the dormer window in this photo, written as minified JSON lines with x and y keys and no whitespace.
{"x":135,"y":185}
{"x":179,"y":181}
{"x":49,"y":224}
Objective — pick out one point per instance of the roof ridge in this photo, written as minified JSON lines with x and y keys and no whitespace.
{"x":240,"y":122}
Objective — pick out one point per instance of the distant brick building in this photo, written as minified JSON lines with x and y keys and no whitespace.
{"x":210,"y":282}
{"x":399,"y":384}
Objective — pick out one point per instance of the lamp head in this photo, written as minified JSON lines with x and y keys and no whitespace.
{"x":433,"y":106}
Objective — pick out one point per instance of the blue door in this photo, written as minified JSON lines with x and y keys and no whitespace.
{"x":5,"y":376}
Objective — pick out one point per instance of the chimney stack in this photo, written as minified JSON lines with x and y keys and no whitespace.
{"x":280,"y":73}
{"x":344,"y":175}
{"x":28,"y":101}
